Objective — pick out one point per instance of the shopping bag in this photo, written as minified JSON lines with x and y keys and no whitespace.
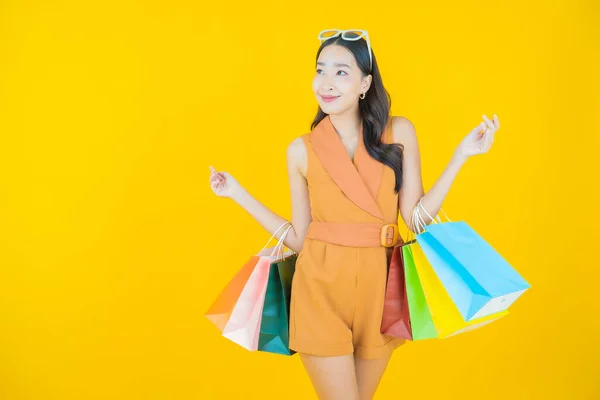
{"x":220,"y":310}
{"x":478,"y":279}
{"x":395,"y":320}
{"x":421,"y":322}
{"x":446,"y":317}
{"x":243,"y":326}
{"x":274,"y":335}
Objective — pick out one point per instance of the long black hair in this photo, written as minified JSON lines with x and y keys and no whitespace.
{"x":374,"y":109}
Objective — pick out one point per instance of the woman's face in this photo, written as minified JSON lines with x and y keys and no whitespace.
{"x":338,"y":75}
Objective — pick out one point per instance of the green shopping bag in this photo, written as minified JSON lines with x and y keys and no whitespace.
{"x":420,"y":316}
{"x":274,"y":336}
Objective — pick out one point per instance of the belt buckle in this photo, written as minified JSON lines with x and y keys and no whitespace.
{"x":389,"y":235}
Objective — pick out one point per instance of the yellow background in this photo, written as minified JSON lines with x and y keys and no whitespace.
{"x":112,"y":244}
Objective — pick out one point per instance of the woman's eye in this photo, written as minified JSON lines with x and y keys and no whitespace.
{"x":318,"y":69}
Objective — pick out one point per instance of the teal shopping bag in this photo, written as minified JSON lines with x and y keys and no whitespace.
{"x":274,"y":336}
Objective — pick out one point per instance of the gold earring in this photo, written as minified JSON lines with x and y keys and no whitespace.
{"x":362,"y":95}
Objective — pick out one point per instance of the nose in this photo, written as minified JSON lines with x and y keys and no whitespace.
{"x":327,"y":87}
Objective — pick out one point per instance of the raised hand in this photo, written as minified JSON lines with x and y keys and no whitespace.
{"x":223,"y":184}
{"x":480,"y":139}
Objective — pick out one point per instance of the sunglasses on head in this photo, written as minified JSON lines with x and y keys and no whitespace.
{"x":331,"y":33}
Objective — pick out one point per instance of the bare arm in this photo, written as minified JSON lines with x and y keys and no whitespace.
{"x":412,"y":187}
{"x":412,"y":183}
{"x":296,"y":165}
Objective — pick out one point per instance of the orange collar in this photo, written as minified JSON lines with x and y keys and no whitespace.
{"x":359,"y":179}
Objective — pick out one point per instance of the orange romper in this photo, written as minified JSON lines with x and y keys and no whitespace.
{"x":339,"y":285}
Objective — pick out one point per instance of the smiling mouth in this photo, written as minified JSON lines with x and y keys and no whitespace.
{"x":329,"y":98}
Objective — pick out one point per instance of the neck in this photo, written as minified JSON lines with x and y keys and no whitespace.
{"x":347,"y":124}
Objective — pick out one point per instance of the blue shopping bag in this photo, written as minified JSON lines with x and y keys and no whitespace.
{"x":477,"y":278}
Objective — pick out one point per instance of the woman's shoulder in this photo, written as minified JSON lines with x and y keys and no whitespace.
{"x":402,"y":129}
{"x":297,"y":153}
{"x":297,"y":146}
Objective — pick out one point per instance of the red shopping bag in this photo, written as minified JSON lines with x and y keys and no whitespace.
{"x":396,"y":319}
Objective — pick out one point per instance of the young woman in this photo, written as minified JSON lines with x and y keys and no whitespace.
{"x":350,"y":178}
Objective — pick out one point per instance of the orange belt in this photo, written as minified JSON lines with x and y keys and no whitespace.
{"x":357,"y":234}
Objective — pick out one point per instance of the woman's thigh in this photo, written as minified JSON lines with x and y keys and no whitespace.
{"x":333,"y":378}
{"x":368,"y":375}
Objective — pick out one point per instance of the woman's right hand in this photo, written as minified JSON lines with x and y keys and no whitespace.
{"x":223,"y":184}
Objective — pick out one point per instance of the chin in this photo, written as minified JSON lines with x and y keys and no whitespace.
{"x":330,"y":109}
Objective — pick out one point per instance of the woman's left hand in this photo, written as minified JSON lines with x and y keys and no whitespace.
{"x":480,"y":139}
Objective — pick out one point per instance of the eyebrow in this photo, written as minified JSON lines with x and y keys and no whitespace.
{"x":335,"y":64}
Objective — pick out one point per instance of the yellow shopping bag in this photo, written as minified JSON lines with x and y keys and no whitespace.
{"x":445,"y":315}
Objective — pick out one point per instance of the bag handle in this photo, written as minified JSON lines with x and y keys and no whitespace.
{"x":417,"y":221}
{"x":275,"y":234}
{"x":279,"y":247}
